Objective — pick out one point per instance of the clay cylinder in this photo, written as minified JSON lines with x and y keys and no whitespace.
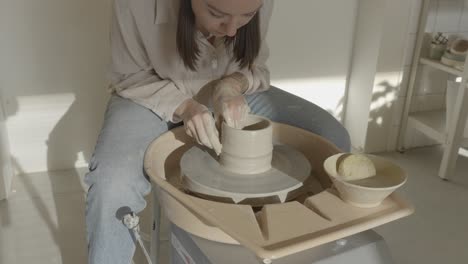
{"x":247,"y":150}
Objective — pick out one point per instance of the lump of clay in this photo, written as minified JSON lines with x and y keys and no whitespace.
{"x":355,"y":167}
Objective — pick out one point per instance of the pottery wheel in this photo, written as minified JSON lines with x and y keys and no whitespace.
{"x":202,"y":174}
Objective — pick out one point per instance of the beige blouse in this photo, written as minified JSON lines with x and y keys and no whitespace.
{"x":145,"y":65}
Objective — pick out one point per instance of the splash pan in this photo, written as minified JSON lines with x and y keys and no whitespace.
{"x":204,"y":176}
{"x":317,"y":216}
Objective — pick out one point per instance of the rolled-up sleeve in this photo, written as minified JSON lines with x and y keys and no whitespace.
{"x":259,"y":75}
{"x":132,"y":76}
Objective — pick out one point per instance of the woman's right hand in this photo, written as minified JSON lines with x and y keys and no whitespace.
{"x":199,"y":124}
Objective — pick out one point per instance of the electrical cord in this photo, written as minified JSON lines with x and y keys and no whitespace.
{"x":131,"y":221}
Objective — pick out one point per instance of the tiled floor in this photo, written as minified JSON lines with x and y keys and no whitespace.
{"x":43,"y":222}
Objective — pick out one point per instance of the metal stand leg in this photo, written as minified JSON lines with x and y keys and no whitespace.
{"x":155,"y":232}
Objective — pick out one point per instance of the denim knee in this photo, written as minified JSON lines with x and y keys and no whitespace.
{"x":283,"y":107}
{"x":115,"y":187}
{"x":340,"y":137}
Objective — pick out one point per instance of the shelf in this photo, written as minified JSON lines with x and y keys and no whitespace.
{"x":432,"y":124}
{"x":438,"y":65}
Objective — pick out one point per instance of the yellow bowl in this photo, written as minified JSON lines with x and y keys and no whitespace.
{"x":368,"y":192}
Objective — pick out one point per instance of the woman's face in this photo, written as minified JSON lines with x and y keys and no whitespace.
{"x":223,"y":17}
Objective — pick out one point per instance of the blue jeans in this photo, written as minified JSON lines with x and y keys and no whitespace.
{"x":117,"y":181}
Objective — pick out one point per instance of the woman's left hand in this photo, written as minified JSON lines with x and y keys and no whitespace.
{"x":229,"y":101}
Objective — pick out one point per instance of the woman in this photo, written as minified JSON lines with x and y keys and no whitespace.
{"x":173,"y":61}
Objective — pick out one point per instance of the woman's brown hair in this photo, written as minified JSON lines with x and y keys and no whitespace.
{"x":245,"y":44}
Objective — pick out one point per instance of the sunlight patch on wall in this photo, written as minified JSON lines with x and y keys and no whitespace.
{"x":30,"y":120}
{"x":384,"y":100}
{"x":386,"y":89}
{"x":463,"y":152}
{"x":379,"y":120}
{"x":328,"y":93}
{"x":384,"y":96}
{"x":81,"y":160}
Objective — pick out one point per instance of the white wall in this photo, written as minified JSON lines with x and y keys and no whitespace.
{"x":397,"y":15}
{"x":53,"y":76}
{"x":54,"y":58}
{"x":366,"y":50}
{"x":311,"y":44}
{"x":376,"y":72}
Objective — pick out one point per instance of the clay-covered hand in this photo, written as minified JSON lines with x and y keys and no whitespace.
{"x":199,"y":124}
{"x":229,"y":101}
